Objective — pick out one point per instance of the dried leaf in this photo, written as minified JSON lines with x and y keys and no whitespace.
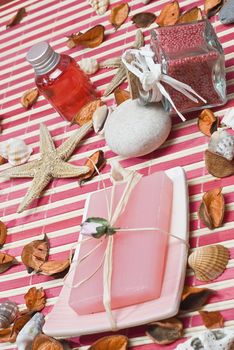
{"x":194,"y":298}
{"x":19,"y":323}
{"x":191,"y":15}
{"x":212,"y":319}
{"x":55,"y":267}
{"x":166,"y":331}
{"x":35,"y":299}
{"x":86,"y":112}
{"x":92,"y":38}
{"x":29,"y":98}
{"x":97,"y":159}
{"x":16,"y":18}
{"x":121,"y":95}
{"x":113,"y":342}
{"x":6,"y":261}
{"x":207,"y":122}
{"x":43,"y":342}
{"x":6,"y":335}
{"x":119,"y":14}
{"x":169,"y":14}
{"x":144,"y":19}
{"x":212,"y":6}
{"x":3,"y":234}
{"x":211,"y":210}
{"x":35,"y":254}
{"x":2,"y":160}
{"x":217,"y":165}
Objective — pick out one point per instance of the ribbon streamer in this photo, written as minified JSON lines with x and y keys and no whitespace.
{"x":150,"y":75}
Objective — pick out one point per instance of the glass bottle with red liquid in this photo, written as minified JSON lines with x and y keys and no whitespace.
{"x":60,"y":80}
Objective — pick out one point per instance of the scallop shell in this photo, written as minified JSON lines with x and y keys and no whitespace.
{"x":8,"y":312}
{"x":16,"y":151}
{"x":27,"y":334}
{"x":209,"y":262}
{"x":222,"y":143}
{"x":89,"y":65}
{"x":100,"y":6}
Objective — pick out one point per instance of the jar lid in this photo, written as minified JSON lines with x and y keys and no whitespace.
{"x":42,"y":57}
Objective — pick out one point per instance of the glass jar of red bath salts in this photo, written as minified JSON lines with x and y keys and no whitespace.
{"x":192,"y":54}
{"x":60,"y":80}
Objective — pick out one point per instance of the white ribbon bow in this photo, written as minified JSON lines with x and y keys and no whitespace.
{"x":151,"y":76}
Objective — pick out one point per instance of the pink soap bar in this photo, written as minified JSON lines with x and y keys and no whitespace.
{"x":138,"y":257}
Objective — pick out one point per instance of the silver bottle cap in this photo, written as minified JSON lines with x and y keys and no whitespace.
{"x":42,"y":57}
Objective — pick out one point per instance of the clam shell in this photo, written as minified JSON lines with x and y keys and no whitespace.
{"x":100,"y":6}
{"x":99,"y":118}
{"x":16,"y":151}
{"x":89,"y":65}
{"x":209,"y":262}
{"x":8,"y":312}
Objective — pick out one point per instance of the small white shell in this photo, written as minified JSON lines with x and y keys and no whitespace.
{"x":99,"y":118}
{"x":145,"y":1}
{"x":16,"y":151}
{"x":89,"y":65}
{"x":222,"y":143}
{"x":30,"y":331}
{"x":100,"y":6}
{"x":228,"y":118}
{"x":8,"y":312}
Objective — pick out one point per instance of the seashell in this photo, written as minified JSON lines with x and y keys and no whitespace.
{"x":100,"y":6}
{"x":16,"y":151}
{"x":139,"y":40}
{"x":8,"y":312}
{"x":222,"y":143}
{"x":30,"y":331}
{"x":228,"y":118}
{"x":89,"y":65}
{"x":209,"y":262}
{"x":145,"y":1}
{"x":99,"y":118}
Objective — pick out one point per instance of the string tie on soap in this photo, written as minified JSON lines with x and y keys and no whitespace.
{"x":141,"y":63}
{"x":108,"y":230}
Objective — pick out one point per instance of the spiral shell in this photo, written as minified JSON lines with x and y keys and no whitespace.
{"x":100,"y":6}
{"x":89,"y":65}
{"x":209,"y":262}
{"x":8,"y":312}
{"x":222,"y":143}
{"x":27,"y":334}
{"x":16,"y":151}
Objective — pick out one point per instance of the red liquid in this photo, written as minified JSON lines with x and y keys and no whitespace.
{"x":66,"y":87}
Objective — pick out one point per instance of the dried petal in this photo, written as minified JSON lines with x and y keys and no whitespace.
{"x":113,"y":342}
{"x":166,"y":331}
{"x":5,"y":335}
{"x":16,"y":18}
{"x":212,"y":6}
{"x":169,"y":14}
{"x":43,"y":342}
{"x":3,"y":234}
{"x":35,"y":299}
{"x":29,"y":98}
{"x":2,"y":160}
{"x":121,"y":95}
{"x":212,"y":319}
{"x":35,"y":254}
{"x":6,"y":261}
{"x":97,"y":159}
{"x":92,"y":38}
{"x":86,"y":112}
{"x":217,"y":165}
{"x":207,"y":122}
{"x":194,"y":298}
{"x":19,"y":323}
{"x":211,"y":210}
{"x":55,"y":267}
{"x":119,"y":14}
{"x":144,"y":19}
{"x":191,"y":15}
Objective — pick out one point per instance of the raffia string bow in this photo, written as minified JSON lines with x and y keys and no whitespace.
{"x":141,"y":63}
{"x":97,"y":227}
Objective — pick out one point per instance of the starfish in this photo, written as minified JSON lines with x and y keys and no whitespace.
{"x":52,"y":164}
{"x":116,"y":62}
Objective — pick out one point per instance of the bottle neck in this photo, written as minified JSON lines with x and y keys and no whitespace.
{"x":46,"y":66}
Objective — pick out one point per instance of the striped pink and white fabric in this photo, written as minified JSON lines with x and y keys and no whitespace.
{"x":59,"y":212}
